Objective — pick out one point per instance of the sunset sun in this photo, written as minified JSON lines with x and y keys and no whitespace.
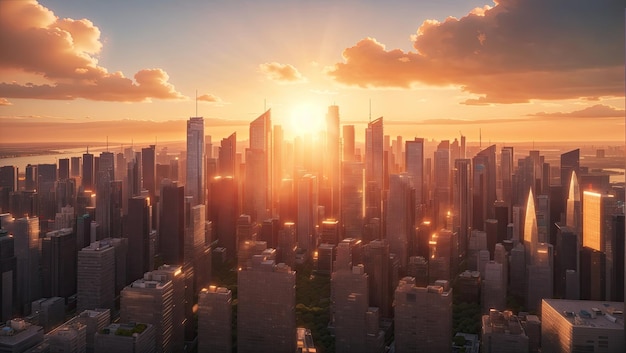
{"x":306,"y":118}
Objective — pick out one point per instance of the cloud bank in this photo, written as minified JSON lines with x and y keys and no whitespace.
{"x":596,"y":111}
{"x":64,"y":52}
{"x":513,"y":52}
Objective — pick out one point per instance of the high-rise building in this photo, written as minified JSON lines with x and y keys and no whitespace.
{"x":374,"y":173}
{"x":226,"y":157}
{"x":95,"y":321}
{"x":182,"y":302}
{"x":493,"y":287}
{"x":88,"y":171}
{"x":351,"y":313}
{"x":332,"y":163}
{"x":58,"y":263}
{"x":259,"y":168}
{"x":570,"y":163}
{"x":506,"y":174}
{"x":151,"y":300}
{"x":329,"y":232}
{"x":441,"y":161}
{"x":307,"y":211}
{"x":376,"y":261}
{"x":68,"y":338}
{"x":195,"y":181}
{"x":400,"y":216}
{"x":139,"y":233}
{"x":598,"y":232}
{"x":26,"y":241}
{"x":566,"y":258}
{"x":352,"y":198}
{"x":484,"y":186}
{"x":503,"y":332}
{"x":8,"y":276}
{"x":8,"y":185}
{"x":96,"y":276}
{"x":75,"y":167}
{"x":224,"y":212}
{"x":423,"y":317}
{"x":148,"y":170}
{"x":214,"y":320}
{"x":266,"y":318}
{"x":582,"y":326}
{"x":462,"y":202}
{"x":172,"y":222}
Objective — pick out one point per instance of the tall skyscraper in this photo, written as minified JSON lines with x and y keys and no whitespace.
{"x":484,"y":186}
{"x":506,"y":174}
{"x":332,"y":163}
{"x":377,"y":267}
{"x":58,"y":263}
{"x":374,"y":168}
{"x":266,"y":318}
{"x":8,"y":185}
{"x":172,"y":224}
{"x":307,"y":211}
{"x":224,"y":212}
{"x":138,"y":231}
{"x":442,"y":182}
{"x":195,"y":181}
{"x":26,"y":240}
{"x":352,"y":198}
{"x":214,"y":320}
{"x":400,"y":216}
{"x":462,"y":202}
{"x":8,"y":276}
{"x":259,"y":186}
{"x":88,"y":171}
{"x":96,"y":276}
{"x":423,"y":317}
{"x":150,"y":300}
{"x":148,"y":170}
{"x":414,"y":162}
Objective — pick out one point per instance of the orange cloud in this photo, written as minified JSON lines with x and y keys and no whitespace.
{"x":513,"y":52}
{"x":211,"y":98}
{"x":4,"y":101}
{"x":283,"y":73}
{"x":64,"y":52}
{"x":595,"y":111}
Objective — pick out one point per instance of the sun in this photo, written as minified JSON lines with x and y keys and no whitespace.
{"x":306,"y":118}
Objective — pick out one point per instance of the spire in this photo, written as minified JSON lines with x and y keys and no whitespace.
{"x":531,"y":235}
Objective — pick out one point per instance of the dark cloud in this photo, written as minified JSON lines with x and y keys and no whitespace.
{"x":516,"y":51}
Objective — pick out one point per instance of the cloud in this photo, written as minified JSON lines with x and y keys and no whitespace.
{"x":211,"y":98}
{"x":4,"y":101}
{"x":595,"y":111}
{"x":513,"y":52}
{"x":65,"y":52}
{"x":283,"y":73}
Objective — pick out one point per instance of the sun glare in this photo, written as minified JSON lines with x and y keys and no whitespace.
{"x":305,"y":119}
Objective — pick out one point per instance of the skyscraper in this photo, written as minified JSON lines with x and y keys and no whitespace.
{"x":307,"y":211}
{"x":441,"y":160}
{"x":414,"y":162}
{"x":8,"y":276}
{"x":150,"y":300}
{"x":377,"y":267}
{"x":348,"y":143}
{"x":259,"y":187}
{"x":484,"y":186}
{"x":332,"y":164}
{"x":195,"y":181}
{"x":148,"y":170}
{"x":266,"y":318}
{"x":26,"y":240}
{"x":214,"y":320}
{"x":400,"y":216}
{"x":138,"y":232}
{"x":226,"y":156}
{"x":58,"y":263}
{"x":462,"y":202}
{"x":172,"y":224}
{"x":423,"y":317}
{"x":88,"y":171}
{"x":374,"y":168}
{"x":96,"y":276}
{"x":352,"y":198}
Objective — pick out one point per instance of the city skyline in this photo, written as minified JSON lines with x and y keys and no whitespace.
{"x":430,"y":69}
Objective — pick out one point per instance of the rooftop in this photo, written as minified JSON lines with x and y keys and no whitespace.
{"x":590,"y":313}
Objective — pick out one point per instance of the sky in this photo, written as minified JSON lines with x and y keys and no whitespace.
{"x":509,"y":70}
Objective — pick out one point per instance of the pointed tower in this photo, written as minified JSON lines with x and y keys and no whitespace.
{"x":531,"y":236}
{"x":573,"y":215}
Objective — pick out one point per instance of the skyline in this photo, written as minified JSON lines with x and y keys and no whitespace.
{"x":443,"y":68}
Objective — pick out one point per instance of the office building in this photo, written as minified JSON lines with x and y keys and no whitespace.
{"x":484,"y":186}
{"x":96,"y":276}
{"x":182,"y":302}
{"x":138,"y":231}
{"x":374,"y":171}
{"x":352,"y":198}
{"x":332,"y":160}
{"x":266,"y":318}
{"x":377,"y":267}
{"x":19,"y":336}
{"x":493,"y":287}
{"x":195,"y":181}
{"x":8,"y":185}
{"x":414,"y":162}
{"x":26,"y":242}
{"x":126,"y":338}
{"x":68,"y":338}
{"x":148,"y":170}
{"x":503,"y":332}
{"x":215,"y":320}
{"x":423,"y":317}
{"x":582,"y":326}
{"x":58,"y":263}
{"x":348,"y":143}
{"x":400,"y":216}
{"x":224,"y":212}
{"x":307,"y":211}
{"x":172,"y":222}
{"x":150,"y":300}
{"x":94,"y":321}
{"x":8,"y":276}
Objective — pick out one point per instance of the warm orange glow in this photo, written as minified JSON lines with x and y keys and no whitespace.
{"x":306,"y":118}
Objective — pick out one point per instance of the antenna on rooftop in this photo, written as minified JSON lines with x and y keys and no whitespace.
{"x":370,"y":110}
{"x":480,"y":139}
{"x":107,"y":143}
{"x":196,"y":103}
